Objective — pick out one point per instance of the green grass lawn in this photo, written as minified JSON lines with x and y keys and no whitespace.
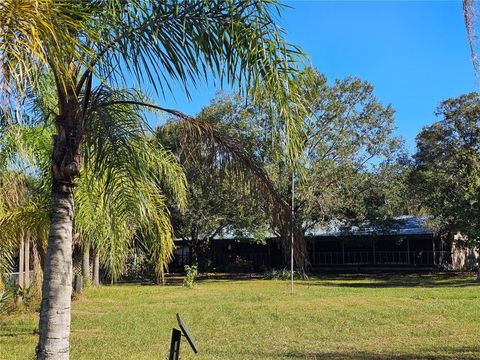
{"x":394,"y":317}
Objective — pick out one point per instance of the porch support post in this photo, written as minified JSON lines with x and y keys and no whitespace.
{"x":408,"y":251}
{"x":374,"y":257}
{"x":434,"y":252}
{"x":314,"y":240}
{"x":343,"y":251}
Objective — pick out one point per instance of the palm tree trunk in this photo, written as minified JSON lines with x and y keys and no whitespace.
{"x":37,"y":269}
{"x":54,"y":325}
{"x":96,"y":269}
{"x":21,"y":263}
{"x":27,"y":262}
{"x":57,"y":283}
{"x":86,"y":265}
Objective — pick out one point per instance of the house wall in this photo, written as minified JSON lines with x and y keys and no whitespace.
{"x":380,"y":250}
{"x":377,"y":251}
{"x":463,"y":258}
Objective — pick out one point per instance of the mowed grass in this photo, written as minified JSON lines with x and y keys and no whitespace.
{"x":351,"y":317}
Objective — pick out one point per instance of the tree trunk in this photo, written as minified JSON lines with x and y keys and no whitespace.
{"x":57,"y":283}
{"x":54,"y":325}
{"x":27,"y":262}
{"x":96,"y":270}
{"x":37,"y":269}
{"x":86,"y":265}
{"x":194,"y":250}
{"x":478,"y":270}
{"x":21,"y":263}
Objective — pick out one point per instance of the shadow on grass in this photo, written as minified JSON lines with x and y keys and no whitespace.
{"x":450,"y":353}
{"x":447,"y":353}
{"x":466,"y":353}
{"x":16,"y":330}
{"x":349,"y":280}
{"x":393,"y":281}
{"x":177,"y":279}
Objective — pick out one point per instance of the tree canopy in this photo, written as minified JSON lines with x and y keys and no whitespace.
{"x":446,"y":174}
{"x":351,"y":170}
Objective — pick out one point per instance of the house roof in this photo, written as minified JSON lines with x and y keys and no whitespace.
{"x":402,"y":226}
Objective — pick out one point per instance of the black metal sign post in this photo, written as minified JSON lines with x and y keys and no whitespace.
{"x":177,"y":338}
{"x":175,"y":345}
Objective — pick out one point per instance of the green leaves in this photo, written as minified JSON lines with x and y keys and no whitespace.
{"x":238,"y":42}
{"x":446,"y":176}
{"x":120,"y":194}
{"x":40,"y":34}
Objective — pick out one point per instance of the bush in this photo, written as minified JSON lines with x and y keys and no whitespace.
{"x":138,"y":267}
{"x":282,"y":274}
{"x":13,"y":298}
{"x":6,"y":303}
{"x":191,"y":273}
{"x":239,"y":264}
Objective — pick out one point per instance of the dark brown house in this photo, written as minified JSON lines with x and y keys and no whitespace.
{"x":407,"y":243}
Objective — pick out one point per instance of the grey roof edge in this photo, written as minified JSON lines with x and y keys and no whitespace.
{"x":406,"y":225}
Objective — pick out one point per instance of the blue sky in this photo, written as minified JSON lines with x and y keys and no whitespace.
{"x":414,"y":53}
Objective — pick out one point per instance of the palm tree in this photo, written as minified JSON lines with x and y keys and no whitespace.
{"x":125,"y":185}
{"x":21,"y":215}
{"x":123,"y":179}
{"x":110,"y":42}
{"x":14,"y":195}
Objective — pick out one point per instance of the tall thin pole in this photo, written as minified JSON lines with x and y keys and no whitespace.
{"x":292,"y":231}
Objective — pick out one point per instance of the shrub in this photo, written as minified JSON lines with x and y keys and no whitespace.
{"x":5,"y":301}
{"x":191,"y":273}
{"x":282,"y":274}
{"x":13,"y":298}
{"x":239,"y":264}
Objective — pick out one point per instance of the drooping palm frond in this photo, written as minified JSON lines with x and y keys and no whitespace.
{"x":117,"y":139}
{"x":13,"y":194}
{"x":470,"y":18}
{"x":120,"y":194}
{"x":114,"y":207}
{"x":24,"y":202}
{"x":228,"y":152}
{"x":240,"y":42}
{"x":111,"y":215}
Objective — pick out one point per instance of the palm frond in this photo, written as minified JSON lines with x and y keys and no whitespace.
{"x":120,"y":194}
{"x":20,"y":213}
{"x":228,"y":152}
{"x":36,"y":34}
{"x":470,"y":17}
{"x":191,"y":41}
